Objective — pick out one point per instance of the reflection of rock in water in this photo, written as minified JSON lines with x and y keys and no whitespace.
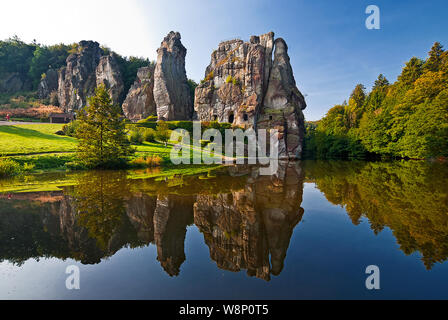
{"x":243,"y":227}
{"x":171,"y":217}
{"x":140,"y":210}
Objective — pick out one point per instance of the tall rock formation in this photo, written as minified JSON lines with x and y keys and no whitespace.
{"x":108,"y":73}
{"x":283,"y":104}
{"x":171,"y":90}
{"x":48,"y":84}
{"x":84,"y":70}
{"x":235,"y":81}
{"x":13,"y":82}
{"x":245,"y":87}
{"x":139,"y":103}
{"x":77,"y":79}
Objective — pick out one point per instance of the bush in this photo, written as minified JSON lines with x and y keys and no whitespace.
{"x":9,"y":168}
{"x":71,"y":128}
{"x":136,"y":136}
{"x":149,"y":135}
{"x":149,"y":161}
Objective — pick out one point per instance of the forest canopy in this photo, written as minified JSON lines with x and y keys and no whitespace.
{"x":32,"y":60}
{"x":405,"y":119}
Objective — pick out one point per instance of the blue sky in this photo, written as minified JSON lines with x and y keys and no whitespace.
{"x":331,"y":50}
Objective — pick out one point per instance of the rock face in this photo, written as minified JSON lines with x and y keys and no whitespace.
{"x":13,"y":82}
{"x":77,"y":79}
{"x":283,"y":104}
{"x":245,"y":87}
{"x":171,"y":90}
{"x":139,"y":103}
{"x":235,"y":81}
{"x":48,"y":84}
{"x":83,"y":72}
{"x":108,"y":73}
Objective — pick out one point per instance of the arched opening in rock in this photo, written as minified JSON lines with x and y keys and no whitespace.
{"x":215,"y":117}
{"x":231,"y":118}
{"x":245,"y":117}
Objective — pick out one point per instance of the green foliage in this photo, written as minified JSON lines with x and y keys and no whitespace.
{"x":149,"y":135}
{"x":103,"y":142}
{"x":9,"y":168}
{"x":71,"y":128}
{"x":129,"y":67}
{"x":408,"y":197}
{"x":136,"y":136}
{"x":46,"y":57}
{"x":162,"y":132}
{"x":192,"y":86}
{"x":406,"y":119}
{"x":16,"y":56}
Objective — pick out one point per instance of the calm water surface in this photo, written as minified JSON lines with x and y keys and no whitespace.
{"x":308,"y":232}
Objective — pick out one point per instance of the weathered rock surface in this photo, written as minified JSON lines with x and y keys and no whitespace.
{"x":283,"y":104}
{"x":48,"y":84}
{"x":77,"y":80}
{"x":139,"y":103}
{"x":84,"y":70}
{"x":108,"y":73}
{"x":235,"y":81}
{"x":12,"y":82}
{"x":171,"y":90}
{"x":244,"y":86}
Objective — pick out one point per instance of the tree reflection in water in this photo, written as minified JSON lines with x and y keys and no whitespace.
{"x":246,"y":220}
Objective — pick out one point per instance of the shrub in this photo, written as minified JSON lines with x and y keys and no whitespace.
{"x":151,"y":118}
{"x":9,"y":168}
{"x":149,"y":135}
{"x":149,"y":161}
{"x":136,"y":136}
{"x":71,"y":128}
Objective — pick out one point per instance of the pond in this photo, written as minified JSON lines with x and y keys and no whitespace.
{"x":308,"y":232}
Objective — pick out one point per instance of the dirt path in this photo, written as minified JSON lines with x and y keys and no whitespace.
{"x":15,"y":123}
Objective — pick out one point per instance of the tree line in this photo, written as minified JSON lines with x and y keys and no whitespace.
{"x":32,"y":60}
{"x":405,"y":119}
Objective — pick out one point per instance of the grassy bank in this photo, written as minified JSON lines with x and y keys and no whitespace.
{"x":36,"y":148}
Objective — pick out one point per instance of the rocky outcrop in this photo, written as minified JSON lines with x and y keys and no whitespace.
{"x":108,"y":73}
{"x":171,"y":90}
{"x":245,"y":87}
{"x":77,"y":80}
{"x":13,"y":82}
{"x":48,"y":84}
{"x":283,"y":104}
{"x":84,"y":70}
{"x":139,"y":103}
{"x":235,"y":81}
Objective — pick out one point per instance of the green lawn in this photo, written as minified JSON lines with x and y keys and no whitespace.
{"x":41,"y":138}
{"x":34,"y":138}
{"x":38,"y":145}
